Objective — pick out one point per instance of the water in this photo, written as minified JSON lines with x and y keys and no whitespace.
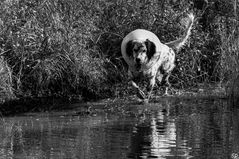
{"x":171,"y":129}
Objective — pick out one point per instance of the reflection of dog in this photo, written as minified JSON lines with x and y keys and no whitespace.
{"x":149,"y":59}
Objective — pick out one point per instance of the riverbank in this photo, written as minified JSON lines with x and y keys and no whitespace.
{"x":73,"y":47}
{"x":45,"y":104}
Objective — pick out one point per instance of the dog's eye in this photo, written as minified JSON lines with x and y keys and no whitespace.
{"x":144,"y":50}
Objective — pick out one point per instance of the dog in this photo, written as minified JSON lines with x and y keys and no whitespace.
{"x":148,"y":58}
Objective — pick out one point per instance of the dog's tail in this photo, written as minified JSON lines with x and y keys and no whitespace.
{"x":179,"y":43}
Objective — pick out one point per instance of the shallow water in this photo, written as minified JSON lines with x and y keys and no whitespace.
{"x":120,"y":130}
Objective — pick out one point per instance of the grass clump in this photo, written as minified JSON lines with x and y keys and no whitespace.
{"x":6,"y":87}
{"x":47,"y":45}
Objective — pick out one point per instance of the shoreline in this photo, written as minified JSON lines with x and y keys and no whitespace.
{"x":45,"y":104}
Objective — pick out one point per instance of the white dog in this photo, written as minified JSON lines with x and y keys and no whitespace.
{"x":148,"y":58}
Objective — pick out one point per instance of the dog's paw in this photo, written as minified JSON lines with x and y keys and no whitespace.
{"x":166,"y":95}
{"x":142,"y":101}
{"x":141,"y":94}
{"x":145,"y":101}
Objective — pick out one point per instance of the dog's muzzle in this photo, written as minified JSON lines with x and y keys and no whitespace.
{"x":137,"y":63}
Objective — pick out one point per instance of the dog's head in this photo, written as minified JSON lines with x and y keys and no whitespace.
{"x":140,"y":51}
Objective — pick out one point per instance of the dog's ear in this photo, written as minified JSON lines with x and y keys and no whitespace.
{"x":129,"y":48}
{"x":151,"y":48}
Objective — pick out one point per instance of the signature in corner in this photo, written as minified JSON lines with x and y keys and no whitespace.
{"x":235,"y":156}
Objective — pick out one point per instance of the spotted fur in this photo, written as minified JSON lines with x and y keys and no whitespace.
{"x":148,"y":58}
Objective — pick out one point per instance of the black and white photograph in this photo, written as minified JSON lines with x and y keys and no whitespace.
{"x":119,"y":79}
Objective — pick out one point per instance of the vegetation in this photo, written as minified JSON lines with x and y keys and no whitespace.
{"x":72,"y":47}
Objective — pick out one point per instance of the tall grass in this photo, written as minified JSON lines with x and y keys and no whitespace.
{"x":47,"y":45}
{"x":230,"y":61}
{"x":230,"y":54}
{"x":72,"y":47}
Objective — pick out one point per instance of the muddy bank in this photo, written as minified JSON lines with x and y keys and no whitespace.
{"x":41,"y":104}
{"x":24,"y":105}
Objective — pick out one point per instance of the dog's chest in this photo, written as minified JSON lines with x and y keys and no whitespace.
{"x":144,"y":72}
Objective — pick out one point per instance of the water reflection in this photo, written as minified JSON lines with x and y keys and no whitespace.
{"x":169,"y":129}
{"x":157,"y":138}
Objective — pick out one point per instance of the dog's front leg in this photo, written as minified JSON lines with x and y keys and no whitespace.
{"x":132,"y":77}
{"x":162,"y":79}
{"x":150,"y":87}
{"x":166,"y":83}
{"x":140,"y":93}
